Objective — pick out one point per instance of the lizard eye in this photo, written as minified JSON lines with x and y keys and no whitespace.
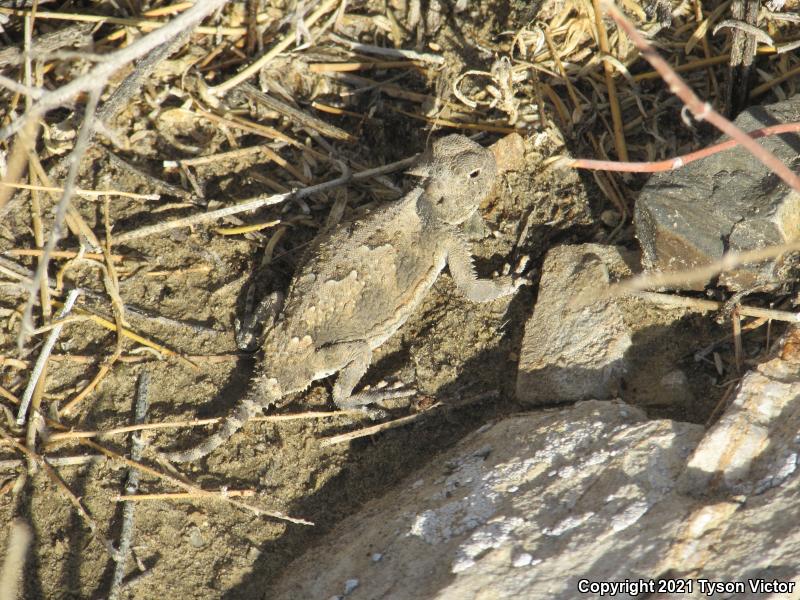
{"x":474,"y":173}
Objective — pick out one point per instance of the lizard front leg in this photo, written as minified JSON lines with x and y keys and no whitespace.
{"x":459,"y":260}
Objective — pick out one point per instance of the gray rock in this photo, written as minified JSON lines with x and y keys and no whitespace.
{"x":554,"y":489}
{"x":688,"y":217}
{"x":572,"y":352}
{"x":536,"y":505}
{"x":754,"y":446}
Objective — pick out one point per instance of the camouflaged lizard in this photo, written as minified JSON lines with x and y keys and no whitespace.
{"x":361,"y":281}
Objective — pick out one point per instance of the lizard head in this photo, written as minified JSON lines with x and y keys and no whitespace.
{"x":458,"y":174}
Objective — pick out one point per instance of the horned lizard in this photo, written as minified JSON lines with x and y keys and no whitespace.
{"x":361,"y":281}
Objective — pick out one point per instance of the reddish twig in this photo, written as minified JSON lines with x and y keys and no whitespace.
{"x":670,"y":164}
{"x":701,"y":110}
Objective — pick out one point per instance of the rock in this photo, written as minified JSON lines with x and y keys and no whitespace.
{"x":503,"y":508}
{"x":675,"y":386}
{"x":754,"y":446}
{"x":571,"y":351}
{"x":688,"y":217}
{"x":509,"y":153}
{"x":560,"y":503}
{"x":577,"y":347}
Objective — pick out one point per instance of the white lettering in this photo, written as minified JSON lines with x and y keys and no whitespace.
{"x":770,"y":587}
{"x":705,"y":587}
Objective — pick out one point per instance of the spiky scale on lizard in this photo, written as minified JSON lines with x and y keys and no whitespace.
{"x":361,"y":281}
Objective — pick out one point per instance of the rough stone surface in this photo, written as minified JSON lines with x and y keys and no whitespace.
{"x":531,"y":505}
{"x":754,"y":446}
{"x":572,"y":352}
{"x":509,"y":153}
{"x":729,"y":201}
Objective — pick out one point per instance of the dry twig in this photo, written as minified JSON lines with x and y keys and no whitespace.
{"x":198,"y":492}
{"x":260,"y":201}
{"x":677,"y":162}
{"x":373,"y":429}
{"x":75,"y":156}
{"x":19,"y":538}
{"x":43,"y":356}
{"x":646,"y":281}
{"x":703,"y":305}
{"x":96,"y":78}
{"x":131,"y":487}
{"x":63,"y":488}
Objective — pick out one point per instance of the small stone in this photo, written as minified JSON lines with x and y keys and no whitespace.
{"x":377,"y":557}
{"x":253,"y":553}
{"x":483,"y":452}
{"x":350,"y":585}
{"x":610,"y":218}
{"x":509,"y":153}
{"x":573,"y":351}
{"x":196,"y":517}
{"x":196,"y":539}
{"x":523,"y":559}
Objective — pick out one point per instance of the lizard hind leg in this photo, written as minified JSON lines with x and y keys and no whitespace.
{"x":252,"y":404}
{"x":349,"y":377}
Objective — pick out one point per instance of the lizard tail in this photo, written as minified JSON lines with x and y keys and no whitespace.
{"x":247,"y":408}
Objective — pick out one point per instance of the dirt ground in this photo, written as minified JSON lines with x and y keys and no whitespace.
{"x":185,"y":287}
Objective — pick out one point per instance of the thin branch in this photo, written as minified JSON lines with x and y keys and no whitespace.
{"x":142,"y":24}
{"x":428,"y":57}
{"x":670,"y":164}
{"x":63,"y":487}
{"x":82,"y":192}
{"x":647,"y":281}
{"x":76,"y":434}
{"x":131,"y":499}
{"x":38,"y":368}
{"x":277,"y":49}
{"x":131,"y":488}
{"x":57,"y":461}
{"x":608,"y":71}
{"x":703,"y":305}
{"x":19,"y":538}
{"x":217,"y":495}
{"x":20,"y":88}
{"x":260,"y":201}
{"x":373,"y":429}
{"x":47,"y":43}
{"x":62,"y":207}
